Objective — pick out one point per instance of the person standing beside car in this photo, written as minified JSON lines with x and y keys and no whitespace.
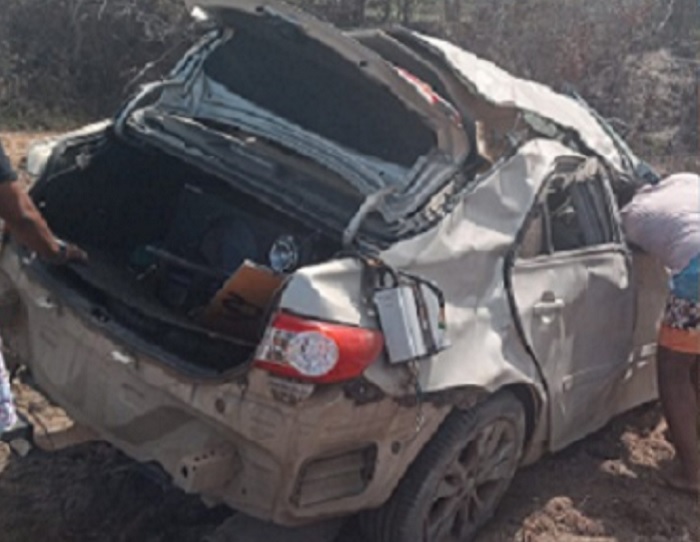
{"x":664,"y":220}
{"x":24,"y":221}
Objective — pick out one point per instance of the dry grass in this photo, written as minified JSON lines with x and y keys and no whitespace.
{"x":16,"y":143}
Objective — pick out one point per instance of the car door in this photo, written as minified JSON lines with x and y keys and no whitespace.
{"x":573,"y":294}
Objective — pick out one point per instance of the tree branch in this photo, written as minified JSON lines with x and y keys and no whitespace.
{"x":670,"y":8}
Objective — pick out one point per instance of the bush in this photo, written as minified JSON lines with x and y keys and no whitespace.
{"x":75,"y":58}
{"x":634,"y":60}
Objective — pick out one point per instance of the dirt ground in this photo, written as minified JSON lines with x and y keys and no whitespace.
{"x":604,"y":489}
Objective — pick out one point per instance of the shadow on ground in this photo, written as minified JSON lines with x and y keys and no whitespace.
{"x":606,"y":488}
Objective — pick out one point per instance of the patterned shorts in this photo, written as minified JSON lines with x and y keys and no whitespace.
{"x":680,"y":330}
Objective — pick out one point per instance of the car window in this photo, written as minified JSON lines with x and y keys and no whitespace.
{"x":575,"y":212}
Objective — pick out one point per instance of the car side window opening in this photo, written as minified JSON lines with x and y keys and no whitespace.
{"x":573,"y":213}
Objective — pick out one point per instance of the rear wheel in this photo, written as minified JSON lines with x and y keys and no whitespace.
{"x":454,"y":486}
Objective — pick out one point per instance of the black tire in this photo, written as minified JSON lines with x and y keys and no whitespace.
{"x":472,"y":481}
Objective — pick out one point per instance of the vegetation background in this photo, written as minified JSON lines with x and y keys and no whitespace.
{"x":67,"y":61}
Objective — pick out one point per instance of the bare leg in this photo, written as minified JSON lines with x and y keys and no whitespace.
{"x":696,"y":386}
{"x":679,"y":399}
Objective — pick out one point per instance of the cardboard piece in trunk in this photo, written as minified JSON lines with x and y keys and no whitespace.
{"x":237,"y":308}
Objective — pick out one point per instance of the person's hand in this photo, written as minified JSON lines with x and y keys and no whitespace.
{"x":67,"y":253}
{"x":75,"y":254}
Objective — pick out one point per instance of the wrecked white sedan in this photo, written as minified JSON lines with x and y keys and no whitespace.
{"x":338,"y":273}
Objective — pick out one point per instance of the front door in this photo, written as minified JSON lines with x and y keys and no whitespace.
{"x":573,"y":292}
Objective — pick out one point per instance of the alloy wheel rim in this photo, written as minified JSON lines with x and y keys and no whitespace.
{"x":472,"y":484}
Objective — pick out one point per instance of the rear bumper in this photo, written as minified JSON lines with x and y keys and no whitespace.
{"x":228,"y":441}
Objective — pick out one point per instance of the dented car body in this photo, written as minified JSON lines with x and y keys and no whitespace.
{"x":329,"y":157}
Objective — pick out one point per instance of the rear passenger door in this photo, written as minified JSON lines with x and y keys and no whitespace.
{"x":572,"y":291}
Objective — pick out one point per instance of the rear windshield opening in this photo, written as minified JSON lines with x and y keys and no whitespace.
{"x":317,"y":90}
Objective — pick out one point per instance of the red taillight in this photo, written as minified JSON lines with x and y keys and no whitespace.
{"x":317,"y":351}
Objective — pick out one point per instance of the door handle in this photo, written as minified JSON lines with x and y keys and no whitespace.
{"x":548,"y":305}
{"x":45,"y":303}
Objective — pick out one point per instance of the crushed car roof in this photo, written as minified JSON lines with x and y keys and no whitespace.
{"x":501,"y":88}
{"x":491,"y":82}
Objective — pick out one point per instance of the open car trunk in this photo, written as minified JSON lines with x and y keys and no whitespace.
{"x":163,"y":238}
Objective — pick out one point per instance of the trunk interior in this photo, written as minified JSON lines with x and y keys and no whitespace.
{"x":163,"y":238}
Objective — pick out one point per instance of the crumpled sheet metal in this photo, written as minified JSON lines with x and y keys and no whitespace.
{"x":465,"y":256}
{"x":503,"y":89}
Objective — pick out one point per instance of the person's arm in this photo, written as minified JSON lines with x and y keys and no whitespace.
{"x":25,"y":222}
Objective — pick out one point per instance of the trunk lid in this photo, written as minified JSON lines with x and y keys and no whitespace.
{"x":273,"y":20}
{"x":283,"y":77}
